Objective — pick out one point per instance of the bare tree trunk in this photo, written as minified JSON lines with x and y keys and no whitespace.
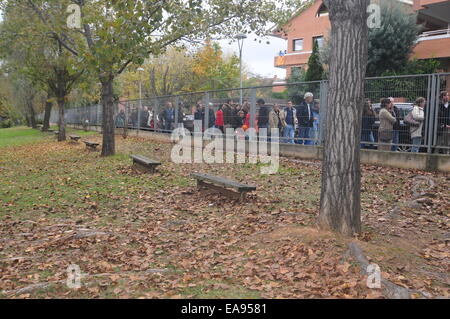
{"x":47,"y":114}
{"x":61,"y":120}
{"x":27,"y":120}
{"x":341,"y":175}
{"x":31,"y":114}
{"x":109,"y":146}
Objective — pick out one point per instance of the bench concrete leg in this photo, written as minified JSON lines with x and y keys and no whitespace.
{"x":144,"y":169}
{"x":224,"y":191}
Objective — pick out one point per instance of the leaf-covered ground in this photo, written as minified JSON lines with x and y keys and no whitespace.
{"x":154,"y":236}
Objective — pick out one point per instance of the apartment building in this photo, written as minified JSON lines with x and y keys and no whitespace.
{"x":312,"y":25}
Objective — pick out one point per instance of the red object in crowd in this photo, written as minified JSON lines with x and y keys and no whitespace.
{"x":219,"y":119}
{"x":247,"y":120}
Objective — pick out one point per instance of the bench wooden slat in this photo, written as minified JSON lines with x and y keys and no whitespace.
{"x":91,"y":144}
{"x":144,"y":160}
{"x":224,"y":182}
{"x":145,"y":164}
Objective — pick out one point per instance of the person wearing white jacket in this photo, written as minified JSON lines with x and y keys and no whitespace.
{"x":418,"y":114}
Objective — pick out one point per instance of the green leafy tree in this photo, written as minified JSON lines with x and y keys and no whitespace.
{"x":315,"y":71}
{"x":117,"y":34}
{"x":391,"y":45}
{"x":212,"y":70}
{"x":315,"y":68}
{"x":40,"y":58}
{"x":296,"y":86}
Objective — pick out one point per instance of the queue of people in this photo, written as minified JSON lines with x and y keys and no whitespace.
{"x":389,"y":130}
{"x":300,"y":124}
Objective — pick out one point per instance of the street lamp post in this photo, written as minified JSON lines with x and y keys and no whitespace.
{"x":241,"y":38}
{"x":140,"y":98}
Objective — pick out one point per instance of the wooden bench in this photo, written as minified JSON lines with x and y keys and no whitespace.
{"x":92,"y":146}
{"x":223,"y":186}
{"x":56,"y":133}
{"x":75,"y":138}
{"x":144,"y":164}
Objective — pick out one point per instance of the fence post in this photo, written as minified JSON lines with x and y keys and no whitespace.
{"x":156,"y":118}
{"x":253,"y":108}
{"x":177,"y":110}
{"x":323,"y":111}
{"x":139,"y":109}
{"x":435,"y":117}
{"x":431,"y":129}
{"x":206,"y":101}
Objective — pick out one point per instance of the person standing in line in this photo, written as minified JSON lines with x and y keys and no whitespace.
{"x":181,"y":115}
{"x":199,"y":114}
{"x":306,"y":119}
{"x":290,"y":120}
{"x":368,"y":120}
{"x":396,"y":128}
{"x":277,"y":119}
{"x":263,"y":115}
{"x":443,"y":138}
{"x":316,"y":123}
{"x":418,"y":114}
{"x":169,"y":117}
{"x":387,"y":121}
{"x":220,"y":119}
{"x":144,"y":117}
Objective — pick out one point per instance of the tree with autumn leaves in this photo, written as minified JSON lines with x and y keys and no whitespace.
{"x":180,"y":70}
{"x":117,"y":34}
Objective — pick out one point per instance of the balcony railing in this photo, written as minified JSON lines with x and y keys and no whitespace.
{"x":434,"y":33}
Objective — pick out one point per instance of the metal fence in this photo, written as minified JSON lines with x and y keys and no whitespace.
{"x":305,"y":123}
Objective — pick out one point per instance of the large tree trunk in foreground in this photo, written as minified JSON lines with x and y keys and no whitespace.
{"x":341,"y":176}
{"x":108,"y":146}
{"x":61,"y":120}
{"x":47,"y":114}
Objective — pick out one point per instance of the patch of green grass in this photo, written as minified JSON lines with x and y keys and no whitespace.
{"x":21,"y":135}
{"x":17,"y":136}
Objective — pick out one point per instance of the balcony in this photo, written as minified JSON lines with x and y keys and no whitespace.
{"x":433,"y":35}
{"x":292,"y":59}
{"x":433,"y":44}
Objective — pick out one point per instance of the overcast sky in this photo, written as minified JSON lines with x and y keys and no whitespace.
{"x":259,"y":57}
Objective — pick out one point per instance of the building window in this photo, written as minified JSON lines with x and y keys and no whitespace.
{"x":323,"y":11}
{"x":296,"y":71}
{"x":319,"y":41}
{"x":298,"y":45}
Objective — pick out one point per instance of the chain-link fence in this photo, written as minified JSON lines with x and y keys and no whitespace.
{"x":401,"y":113}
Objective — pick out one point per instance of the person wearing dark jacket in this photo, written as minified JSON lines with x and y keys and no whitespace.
{"x":134,"y":117}
{"x":169,"y":117}
{"x":443,"y":138}
{"x":237,"y":123}
{"x":200,"y":116}
{"x":396,"y":133}
{"x":144,"y":117}
{"x":305,"y":118}
{"x":227,"y":110}
{"x":263,"y":115}
{"x":368,"y":120}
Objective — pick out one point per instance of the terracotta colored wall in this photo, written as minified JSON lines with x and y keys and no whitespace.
{"x":418,"y":4}
{"x":306,"y":26}
{"x":439,"y":48}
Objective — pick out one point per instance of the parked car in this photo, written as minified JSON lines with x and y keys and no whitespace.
{"x":188,"y":122}
{"x":405,"y":136}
